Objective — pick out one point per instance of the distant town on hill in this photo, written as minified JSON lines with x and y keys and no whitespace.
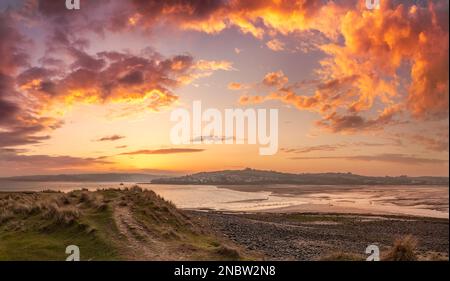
{"x":252,"y":176}
{"x":246,"y":176}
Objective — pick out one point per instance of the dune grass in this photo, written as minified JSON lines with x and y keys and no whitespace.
{"x":176,"y":229}
{"x":40,"y":225}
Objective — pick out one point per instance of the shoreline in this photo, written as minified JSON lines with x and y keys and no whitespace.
{"x":422,"y":201}
{"x":316,"y":236}
{"x":154,"y":229}
{"x":316,"y":211}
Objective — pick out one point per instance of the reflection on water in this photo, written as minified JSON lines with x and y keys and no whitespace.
{"x":431,"y":201}
{"x":211,"y":197}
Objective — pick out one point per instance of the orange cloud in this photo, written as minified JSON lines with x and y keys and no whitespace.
{"x":328,"y":95}
{"x":330,"y":99}
{"x":277,"y":79}
{"x":235,"y":86}
{"x":379,"y":43}
{"x":214,"y":65}
{"x":360,"y":72}
{"x":372,"y":46}
{"x":244,"y":100}
{"x":116,"y":77}
{"x":275,"y":45}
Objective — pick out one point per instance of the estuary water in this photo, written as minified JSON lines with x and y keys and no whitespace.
{"x":428,"y":201}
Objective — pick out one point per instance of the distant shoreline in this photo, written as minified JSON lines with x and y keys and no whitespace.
{"x":263,"y":177}
{"x":288,"y":183}
{"x":418,"y":200}
{"x":246,"y":176}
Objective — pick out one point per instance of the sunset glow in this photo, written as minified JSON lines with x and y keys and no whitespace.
{"x":91,"y":90}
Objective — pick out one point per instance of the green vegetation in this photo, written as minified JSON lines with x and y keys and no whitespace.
{"x":39,"y":226}
{"x":113,"y":224}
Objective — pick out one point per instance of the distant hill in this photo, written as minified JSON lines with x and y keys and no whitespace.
{"x":251,"y":176}
{"x":106,"y":177}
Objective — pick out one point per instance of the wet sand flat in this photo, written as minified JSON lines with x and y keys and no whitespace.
{"x":424,"y":201}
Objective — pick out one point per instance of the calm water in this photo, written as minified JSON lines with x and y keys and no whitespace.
{"x":429,"y":201}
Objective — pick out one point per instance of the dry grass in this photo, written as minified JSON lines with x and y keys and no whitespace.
{"x":228,"y":252}
{"x":38,"y":225}
{"x":51,"y":218}
{"x":404,"y":249}
{"x":60,"y":209}
{"x":168,"y":225}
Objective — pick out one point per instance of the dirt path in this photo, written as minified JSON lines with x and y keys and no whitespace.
{"x":141,"y":245}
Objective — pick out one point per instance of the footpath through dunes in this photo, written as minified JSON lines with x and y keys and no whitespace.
{"x":110,"y":224}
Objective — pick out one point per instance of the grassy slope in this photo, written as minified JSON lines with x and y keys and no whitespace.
{"x":39,"y":226}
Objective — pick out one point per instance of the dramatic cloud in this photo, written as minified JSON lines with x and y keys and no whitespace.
{"x":254,"y":17}
{"x":371,"y":46}
{"x":379,"y":43}
{"x":110,"y":77}
{"x":377,"y":68}
{"x":329,"y":97}
{"x":391,"y":158}
{"x":360,"y":72}
{"x":365,"y":49}
{"x":19,"y":123}
{"x":147,"y":79}
{"x":68,"y":73}
{"x":163,"y":151}
{"x":12,"y":57}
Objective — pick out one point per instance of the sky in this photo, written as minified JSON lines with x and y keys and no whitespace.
{"x":92,"y":90}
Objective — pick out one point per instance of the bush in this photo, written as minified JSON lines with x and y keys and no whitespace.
{"x":228,"y":252}
{"x":403,"y":249}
